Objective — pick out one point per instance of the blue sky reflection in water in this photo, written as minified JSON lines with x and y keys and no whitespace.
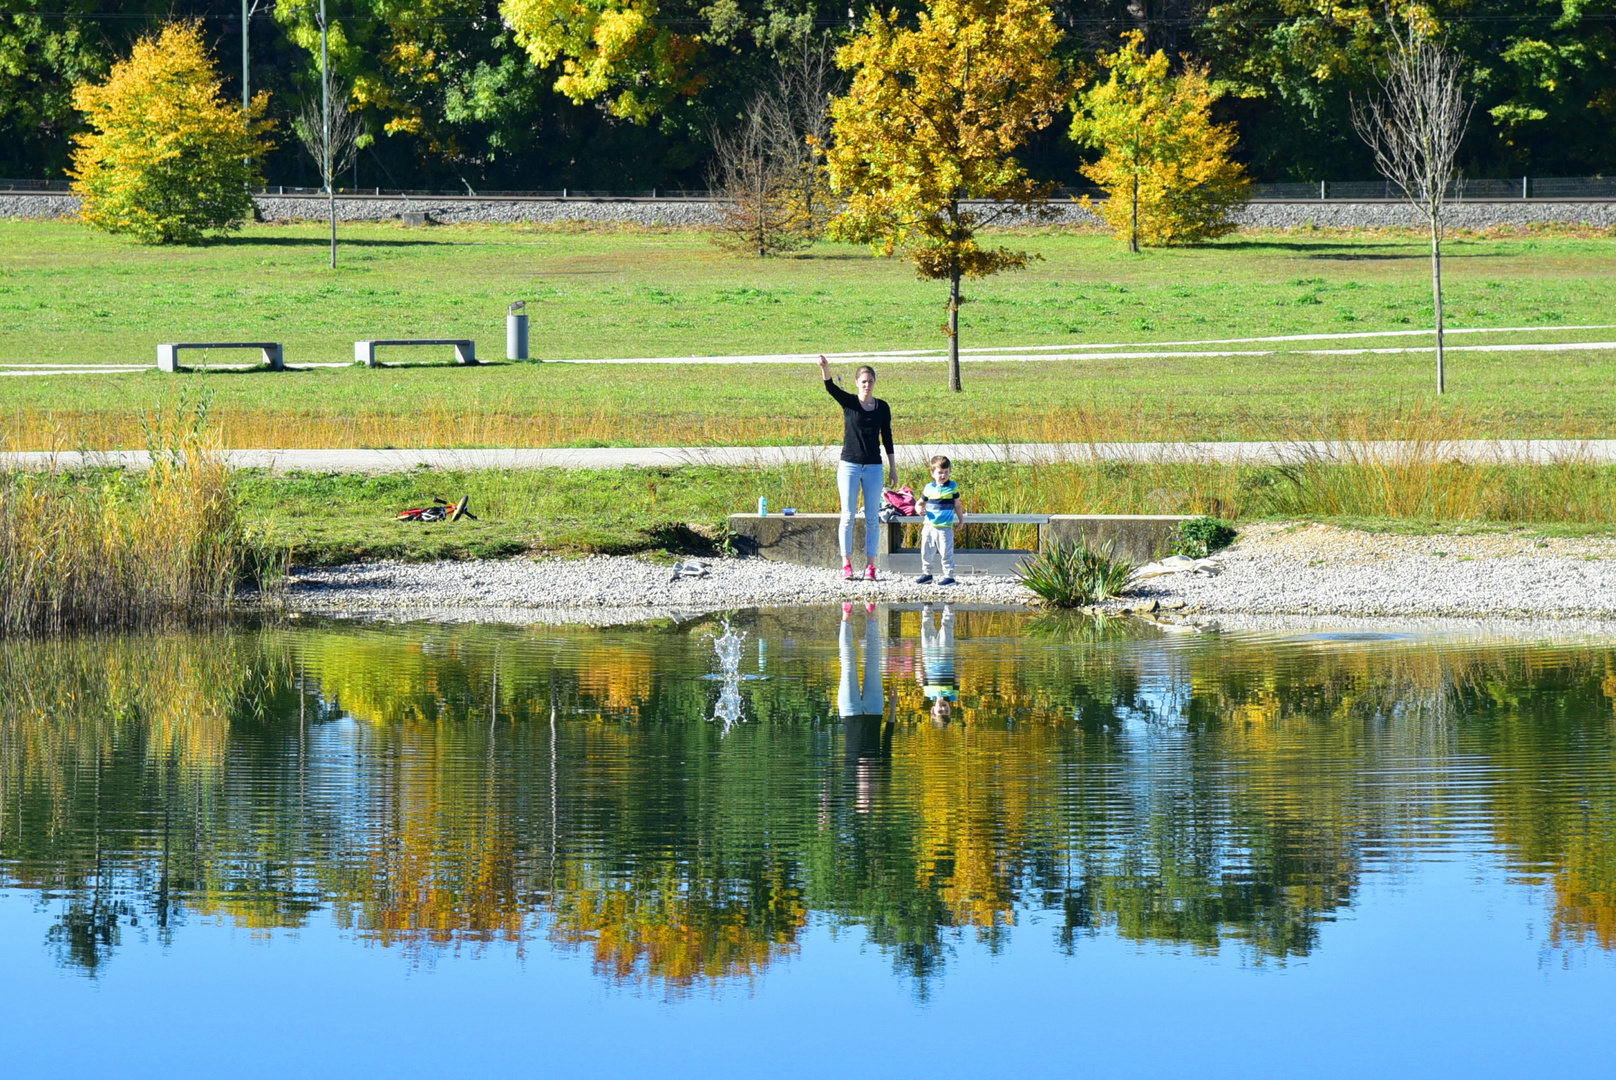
{"x":332,"y":850}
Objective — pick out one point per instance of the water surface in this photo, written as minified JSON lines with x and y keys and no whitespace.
{"x":676,"y":850}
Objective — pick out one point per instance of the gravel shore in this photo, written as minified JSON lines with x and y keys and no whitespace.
{"x":1272,"y":570}
{"x":603,"y":590}
{"x":1278,"y":569}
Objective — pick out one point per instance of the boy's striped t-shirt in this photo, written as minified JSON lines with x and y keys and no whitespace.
{"x":940,"y":503}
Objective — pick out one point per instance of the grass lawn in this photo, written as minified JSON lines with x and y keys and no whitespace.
{"x":68,"y":295}
{"x":333,"y":519}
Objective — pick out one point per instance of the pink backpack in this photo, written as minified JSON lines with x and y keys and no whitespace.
{"x":902,"y":501}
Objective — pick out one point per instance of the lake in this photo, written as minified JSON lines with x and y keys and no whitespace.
{"x":793,"y":842}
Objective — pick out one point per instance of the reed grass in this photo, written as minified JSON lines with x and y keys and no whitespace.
{"x":106,"y":548}
{"x":329,"y":519}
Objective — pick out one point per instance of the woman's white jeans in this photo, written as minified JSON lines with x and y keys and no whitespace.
{"x":855,"y":696}
{"x":850,"y":478}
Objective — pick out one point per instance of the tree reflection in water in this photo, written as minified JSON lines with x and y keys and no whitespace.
{"x":432,"y":787}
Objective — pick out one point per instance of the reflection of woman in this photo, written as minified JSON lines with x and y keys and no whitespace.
{"x":866,"y":737}
{"x":938,"y":679}
{"x":866,"y":429}
{"x":857,"y":697}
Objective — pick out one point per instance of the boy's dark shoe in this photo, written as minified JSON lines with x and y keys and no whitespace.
{"x":948,"y":581}
{"x":923,"y":579}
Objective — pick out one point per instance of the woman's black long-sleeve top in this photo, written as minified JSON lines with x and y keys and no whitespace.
{"x":864,"y":431}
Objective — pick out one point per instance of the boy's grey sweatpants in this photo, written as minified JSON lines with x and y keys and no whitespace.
{"x":937,"y":544}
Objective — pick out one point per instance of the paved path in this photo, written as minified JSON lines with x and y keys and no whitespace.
{"x":1519,"y":451}
{"x":1282,"y":344}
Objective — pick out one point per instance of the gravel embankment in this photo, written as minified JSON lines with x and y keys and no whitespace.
{"x":1272,"y":570}
{"x":1323,"y":570}
{"x":1262,"y":214}
{"x":602,"y":589}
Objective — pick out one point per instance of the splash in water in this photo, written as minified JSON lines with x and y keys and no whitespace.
{"x":728,"y":711}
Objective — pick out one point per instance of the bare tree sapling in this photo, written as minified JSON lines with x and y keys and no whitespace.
{"x":1414,"y":127}
{"x":332,"y":140}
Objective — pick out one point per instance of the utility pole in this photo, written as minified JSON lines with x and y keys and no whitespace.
{"x":246,"y":73}
{"x":325,"y":130}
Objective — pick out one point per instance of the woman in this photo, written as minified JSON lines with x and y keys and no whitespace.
{"x":866,"y":429}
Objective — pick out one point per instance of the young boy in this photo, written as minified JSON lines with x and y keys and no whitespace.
{"x":940,"y":502}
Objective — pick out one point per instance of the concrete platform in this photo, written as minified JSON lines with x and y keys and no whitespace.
{"x":810,"y":539}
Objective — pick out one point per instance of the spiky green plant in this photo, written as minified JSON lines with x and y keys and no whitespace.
{"x":1072,"y":575}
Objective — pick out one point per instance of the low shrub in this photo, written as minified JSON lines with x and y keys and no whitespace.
{"x":1072,"y":575}
{"x":1202,"y":536}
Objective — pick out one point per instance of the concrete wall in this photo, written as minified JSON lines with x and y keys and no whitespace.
{"x":698,"y":212}
{"x":1138,"y":538}
{"x":811,"y":540}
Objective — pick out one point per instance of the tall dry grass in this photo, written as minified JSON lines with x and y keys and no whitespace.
{"x":449,"y":421}
{"x":105,"y":548}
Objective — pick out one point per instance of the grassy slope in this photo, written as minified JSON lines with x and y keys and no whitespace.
{"x":70,"y":295}
{"x":340,"y":518}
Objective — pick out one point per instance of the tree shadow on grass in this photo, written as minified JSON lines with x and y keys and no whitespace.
{"x":1413,"y":255}
{"x":318,"y":241}
{"x":1304,"y":245}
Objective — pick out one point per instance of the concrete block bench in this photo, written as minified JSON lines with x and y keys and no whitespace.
{"x":811,"y":540}
{"x":168,"y":358}
{"x":364,"y":352}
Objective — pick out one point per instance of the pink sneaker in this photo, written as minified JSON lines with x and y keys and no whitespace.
{"x":847,"y":571}
{"x":869,"y":572}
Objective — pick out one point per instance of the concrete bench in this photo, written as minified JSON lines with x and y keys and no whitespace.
{"x":905,"y":560}
{"x":168,"y":353}
{"x":364,"y":352}
{"x":811,"y":539}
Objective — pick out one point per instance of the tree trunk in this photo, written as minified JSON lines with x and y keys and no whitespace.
{"x":1436,"y":296}
{"x":953,"y":330}
{"x":1133,"y":232}
{"x":332,"y":189}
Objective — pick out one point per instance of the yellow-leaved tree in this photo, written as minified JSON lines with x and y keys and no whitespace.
{"x":607,"y":45}
{"x":926,"y":135}
{"x":1166,"y":165}
{"x":168,"y":157}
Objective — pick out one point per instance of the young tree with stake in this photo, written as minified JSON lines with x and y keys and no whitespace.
{"x":330,"y":133}
{"x":931,"y":121}
{"x":1415,"y":127}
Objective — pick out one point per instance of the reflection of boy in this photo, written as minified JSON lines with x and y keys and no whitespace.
{"x":936,"y":673}
{"x":940,"y":501}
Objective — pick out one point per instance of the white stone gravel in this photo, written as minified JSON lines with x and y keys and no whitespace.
{"x":605,"y":589}
{"x":1272,"y":570}
{"x":1323,"y":570}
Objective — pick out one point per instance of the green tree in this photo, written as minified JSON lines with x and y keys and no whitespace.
{"x":925,"y":137}
{"x":1166,"y":166}
{"x":168,"y":157}
{"x":41,"y":57}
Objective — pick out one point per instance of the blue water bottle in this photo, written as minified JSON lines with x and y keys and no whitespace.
{"x":763,"y":506}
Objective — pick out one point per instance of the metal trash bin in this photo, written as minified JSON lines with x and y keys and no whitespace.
{"x":516,"y":331}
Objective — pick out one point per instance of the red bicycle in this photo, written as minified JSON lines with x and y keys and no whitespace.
{"x":440,"y":510}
